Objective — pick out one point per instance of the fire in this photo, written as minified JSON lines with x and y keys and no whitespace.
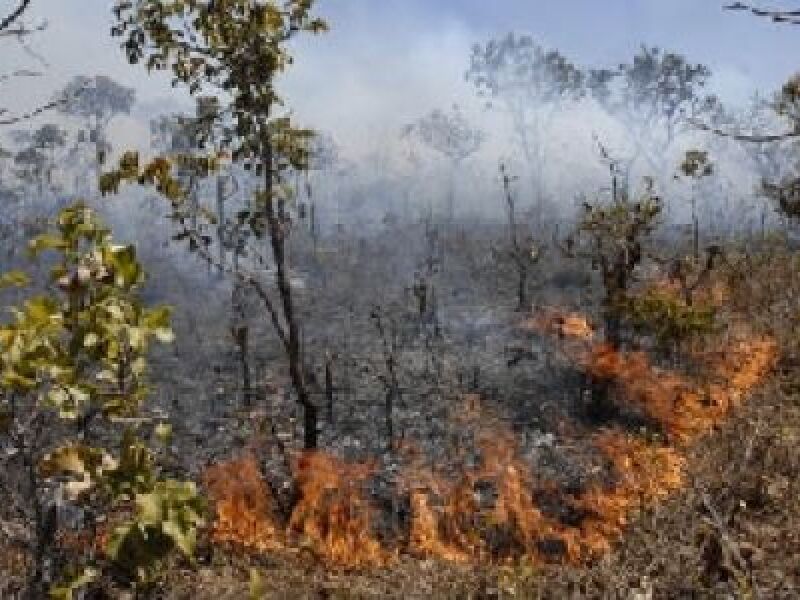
{"x":486,"y":513}
{"x":332,"y":513}
{"x":484,"y":507}
{"x":646,"y":474}
{"x":245,"y":515}
{"x":436,"y":530}
{"x":331,"y":518}
{"x":715,"y":293}
{"x":684,"y":408}
{"x":554,"y":321}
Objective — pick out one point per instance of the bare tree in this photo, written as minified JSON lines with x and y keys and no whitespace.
{"x":96,"y":100}
{"x":238,"y":51}
{"x":791,"y":17}
{"x":452,"y":136}
{"x":523,"y":251}
{"x":530,"y":84}
{"x":654,"y":98}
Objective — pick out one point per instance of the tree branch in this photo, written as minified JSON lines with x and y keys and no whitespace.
{"x":245,"y":278}
{"x":792,"y":17}
{"x":38,"y":111}
{"x":742,"y":137}
{"x":15,"y":14}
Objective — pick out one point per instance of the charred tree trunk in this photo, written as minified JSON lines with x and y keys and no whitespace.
{"x":518,"y":255}
{"x":221,"y":223}
{"x":276,"y":230}
{"x":390,"y":379}
{"x":522,"y":286}
{"x":695,"y":230}
{"x":242,"y":334}
{"x":45,"y":520}
{"x":329,"y":392}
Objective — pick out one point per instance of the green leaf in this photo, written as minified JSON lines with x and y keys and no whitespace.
{"x":46,"y":241}
{"x":75,"y":459}
{"x":184,"y":538}
{"x":65,"y":590}
{"x":165,"y":335}
{"x":14,"y":279}
{"x":90,"y":340}
{"x":149,"y":508}
{"x":257,"y":589}
{"x":157,"y":318}
{"x":163,"y":432}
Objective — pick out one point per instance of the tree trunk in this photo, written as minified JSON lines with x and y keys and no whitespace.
{"x":522,"y":290}
{"x":221,"y":223}
{"x":329,"y":395}
{"x":389,"y":410}
{"x":277,"y":237}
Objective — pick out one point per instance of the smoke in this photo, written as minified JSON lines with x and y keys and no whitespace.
{"x":380,"y":69}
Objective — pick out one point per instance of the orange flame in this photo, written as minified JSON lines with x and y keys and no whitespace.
{"x":685,"y":409}
{"x":488,"y":511}
{"x":457,"y":519}
{"x":646,"y":474}
{"x":243,"y":504}
{"x":554,"y":321}
{"x":331,"y":518}
{"x":332,"y":513}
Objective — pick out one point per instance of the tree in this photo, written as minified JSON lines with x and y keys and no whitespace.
{"x":38,"y":161}
{"x":452,"y":136}
{"x":525,"y":253}
{"x":32,"y":167}
{"x":530,"y":84}
{"x":76,"y":355}
{"x":323,"y":155}
{"x":5,"y":155}
{"x":12,"y":25}
{"x":696,"y":166}
{"x":96,"y":100}
{"x":236,"y":48}
{"x":15,"y":15}
{"x":612,"y":236}
{"x":654,"y":97}
{"x":791,"y":17}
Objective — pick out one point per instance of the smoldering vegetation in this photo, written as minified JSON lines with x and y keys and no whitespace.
{"x":488,"y":339}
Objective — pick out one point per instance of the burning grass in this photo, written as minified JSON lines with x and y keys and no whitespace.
{"x":486,"y":510}
{"x":554,"y":321}
{"x":685,"y":408}
{"x":331,"y":519}
{"x":332,"y":515}
{"x":245,"y":514}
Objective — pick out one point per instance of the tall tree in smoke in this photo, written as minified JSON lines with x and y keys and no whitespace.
{"x":96,"y":100}
{"x":530,"y":84}
{"x":452,"y":136}
{"x":236,"y":48}
{"x":654,"y":97}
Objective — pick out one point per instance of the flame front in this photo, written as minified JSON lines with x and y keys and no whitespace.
{"x":244,"y":507}
{"x":487,"y":511}
{"x":333,"y":514}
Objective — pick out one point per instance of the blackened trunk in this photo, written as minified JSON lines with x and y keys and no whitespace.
{"x":277,"y":237}
{"x":329,"y":396}
{"x":522,"y":290}
{"x":221,"y":223}
{"x":389,"y":410}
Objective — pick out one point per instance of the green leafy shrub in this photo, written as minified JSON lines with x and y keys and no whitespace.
{"x":78,"y":352}
{"x":667,"y":318}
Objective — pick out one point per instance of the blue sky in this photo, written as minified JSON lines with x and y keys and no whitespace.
{"x":386,"y":61}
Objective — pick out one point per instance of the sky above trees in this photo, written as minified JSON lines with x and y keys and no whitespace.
{"x":386,"y":62}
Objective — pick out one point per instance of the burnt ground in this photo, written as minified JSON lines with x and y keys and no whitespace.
{"x":731,"y":527}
